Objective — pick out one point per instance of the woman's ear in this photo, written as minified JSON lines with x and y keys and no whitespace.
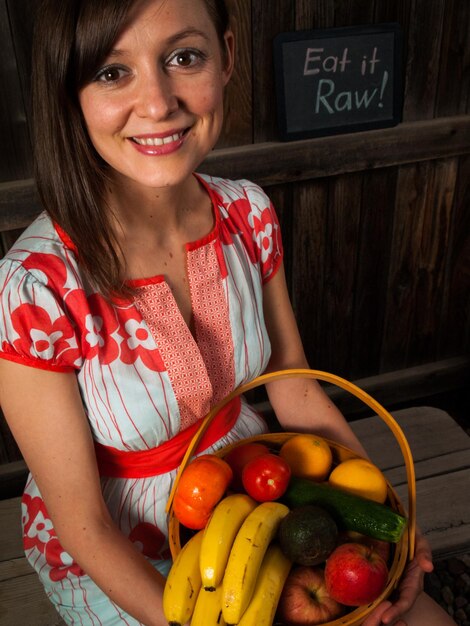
{"x":229,"y":56}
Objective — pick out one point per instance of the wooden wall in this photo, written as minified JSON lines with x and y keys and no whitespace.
{"x":375,"y":224}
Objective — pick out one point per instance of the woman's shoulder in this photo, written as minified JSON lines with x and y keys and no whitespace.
{"x":39,"y":252}
{"x":229,"y":190}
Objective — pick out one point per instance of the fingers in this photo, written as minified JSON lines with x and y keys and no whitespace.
{"x":375,"y":618}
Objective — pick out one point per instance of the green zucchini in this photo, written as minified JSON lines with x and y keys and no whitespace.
{"x":349,"y":511}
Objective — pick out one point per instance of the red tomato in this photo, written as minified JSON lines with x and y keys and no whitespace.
{"x":266,"y":477}
{"x":201,"y":486}
{"x":239,"y":457}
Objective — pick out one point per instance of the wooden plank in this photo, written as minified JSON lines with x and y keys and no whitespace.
{"x":455,"y":328}
{"x":269,"y":17}
{"x":373,"y":256}
{"x":343,"y":226}
{"x":394,"y":388}
{"x":23,"y":600}
{"x":309,"y":244}
{"x":238,"y":124}
{"x":443,"y":512}
{"x":422,"y":67}
{"x":454,"y":78}
{"x":21,"y":15}
{"x":318,"y":14}
{"x":11,"y":542}
{"x":274,"y":163}
{"x":12,"y":478}
{"x":15,"y":155}
{"x":437,"y":466}
{"x":430,"y":433}
{"x":418,"y":262}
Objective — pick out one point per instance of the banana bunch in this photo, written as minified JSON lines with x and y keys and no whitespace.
{"x":230,"y":572}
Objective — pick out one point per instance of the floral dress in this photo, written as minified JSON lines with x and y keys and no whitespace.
{"x":143,"y":377}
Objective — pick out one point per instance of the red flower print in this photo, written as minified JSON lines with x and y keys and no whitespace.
{"x":39,"y":533}
{"x":39,"y":337}
{"x":99,"y":325}
{"x":138,"y":342}
{"x":60,"y":562}
{"x":37,"y":527}
{"x":263,"y":233}
{"x":236,"y":223}
{"x":49,"y":269}
{"x":150,"y":540}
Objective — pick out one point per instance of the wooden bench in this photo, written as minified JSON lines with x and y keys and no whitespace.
{"x":441,"y":452}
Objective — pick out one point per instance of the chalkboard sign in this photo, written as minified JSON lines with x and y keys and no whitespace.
{"x":338,"y":80}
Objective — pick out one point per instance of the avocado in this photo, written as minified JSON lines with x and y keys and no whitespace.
{"x":307,"y":535}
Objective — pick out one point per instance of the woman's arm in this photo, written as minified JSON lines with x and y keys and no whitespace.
{"x":300,"y":404}
{"x":45,"y":414}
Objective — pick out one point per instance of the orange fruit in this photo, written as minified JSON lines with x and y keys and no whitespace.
{"x":201,"y":486}
{"x":308,"y":456}
{"x":361,"y":478}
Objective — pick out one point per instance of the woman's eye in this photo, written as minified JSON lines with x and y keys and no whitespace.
{"x":110,"y":74}
{"x":185,"y":58}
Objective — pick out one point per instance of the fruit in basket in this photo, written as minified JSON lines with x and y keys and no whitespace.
{"x":308,"y":456}
{"x":305,"y":599}
{"x":307,"y":535}
{"x":219,"y":535}
{"x":355,"y":574}
{"x":246,"y":556}
{"x":208,"y":608}
{"x":272,"y":575}
{"x":360,"y":477}
{"x":201,"y":486}
{"x":183,"y":583}
{"x":265,"y":478}
{"x":382,"y":547}
{"x":350,"y":512}
{"x":239,"y":457}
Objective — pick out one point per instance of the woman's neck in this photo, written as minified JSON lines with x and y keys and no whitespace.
{"x":141,"y":211}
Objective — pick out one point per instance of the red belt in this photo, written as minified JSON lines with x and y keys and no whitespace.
{"x":167,"y":456}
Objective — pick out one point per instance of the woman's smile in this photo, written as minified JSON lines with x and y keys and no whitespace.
{"x":157,"y":144}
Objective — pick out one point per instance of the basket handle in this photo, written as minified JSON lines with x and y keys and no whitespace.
{"x":335,"y":380}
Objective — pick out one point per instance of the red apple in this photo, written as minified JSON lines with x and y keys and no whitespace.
{"x":305,"y":600}
{"x":239,"y":457}
{"x":355,"y":574}
{"x":351,"y":536}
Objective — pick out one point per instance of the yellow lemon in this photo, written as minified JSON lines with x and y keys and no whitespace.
{"x":361,"y":478}
{"x":308,"y":456}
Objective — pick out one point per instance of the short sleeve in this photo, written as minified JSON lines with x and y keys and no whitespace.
{"x":265,"y":229}
{"x":250,"y":215}
{"x":34,"y":328}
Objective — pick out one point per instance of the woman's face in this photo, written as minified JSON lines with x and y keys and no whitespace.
{"x":155,"y":108}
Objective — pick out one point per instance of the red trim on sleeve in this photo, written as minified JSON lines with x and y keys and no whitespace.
{"x":277,"y":264}
{"x":36,"y":363}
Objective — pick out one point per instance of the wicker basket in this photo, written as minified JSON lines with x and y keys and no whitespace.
{"x":403,"y":550}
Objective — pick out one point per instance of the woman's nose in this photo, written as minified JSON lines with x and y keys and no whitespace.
{"x":155,"y":96}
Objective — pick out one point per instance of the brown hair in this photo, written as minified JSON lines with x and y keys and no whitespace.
{"x":72,"y":38}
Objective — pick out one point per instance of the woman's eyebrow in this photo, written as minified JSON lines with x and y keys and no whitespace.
{"x":116,"y":53}
{"x":189,"y":32}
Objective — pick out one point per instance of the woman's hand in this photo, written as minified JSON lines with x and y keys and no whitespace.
{"x":410,"y":587}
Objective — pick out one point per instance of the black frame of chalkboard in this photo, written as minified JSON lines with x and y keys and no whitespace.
{"x":347,"y":31}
